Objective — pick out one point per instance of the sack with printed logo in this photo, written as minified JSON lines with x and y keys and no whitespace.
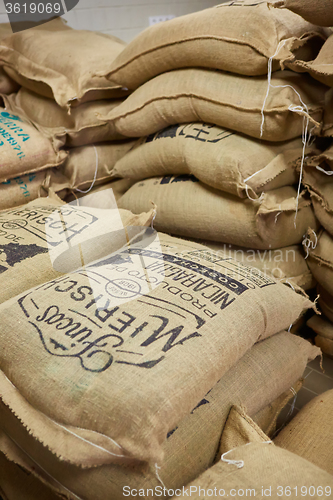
{"x":28,"y":234}
{"x":318,"y":179}
{"x":287,"y":264}
{"x":267,"y":369}
{"x":237,"y":164}
{"x":79,"y":128}
{"x":28,"y":187}
{"x":320,"y":258}
{"x":224,"y":99}
{"x":69,"y":66}
{"x":23,"y":149}
{"x":257,"y":468}
{"x":309,"y":434}
{"x":320,"y":12}
{"x":188,"y":208}
{"x":324,"y":333}
{"x":238,"y":37}
{"x":93,"y":165}
{"x":162,"y":312}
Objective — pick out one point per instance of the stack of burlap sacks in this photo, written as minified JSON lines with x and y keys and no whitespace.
{"x":221,"y":149}
{"x":152,"y":379}
{"x":66,"y":147}
{"x":318,"y":175}
{"x":144,"y":380}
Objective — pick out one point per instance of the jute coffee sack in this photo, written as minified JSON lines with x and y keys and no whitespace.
{"x":224,"y":99}
{"x":188,"y":208}
{"x":23,"y":149}
{"x":266,"y":418}
{"x":28,"y":187}
{"x":79,"y":128}
{"x":325,"y":302}
{"x":264,"y":371}
{"x":237,"y":164}
{"x":320,"y":13}
{"x":260,"y":468}
{"x":76,"y":75}
{"x":238,"y":37}
{"x":93,"y":165}
{"x":309,"y":434}
{"x":327,"y":126}
{"x":320,"y":258}
{"x":287,"y":265}
{"x":185,"y":328}
{"x":18,"y":484}
{"x":324,"y":331}
{"x":318,"y":179}
{"x":321,"y":67}
{"x":7,"y":85}
{"x":26,"y":242}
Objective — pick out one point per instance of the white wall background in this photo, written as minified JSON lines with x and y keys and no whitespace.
{"x":123,"y":18}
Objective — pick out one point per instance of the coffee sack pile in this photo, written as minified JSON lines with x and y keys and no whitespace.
{"x":62,"y":94}
{"x":220,"y":126}
{"x":318,"y":245}
{"x":202,"y":336}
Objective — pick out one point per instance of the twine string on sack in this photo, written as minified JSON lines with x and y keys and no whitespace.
{"x":95,"y":176}
{"x":301,"y":109}
{"x":238,"y":463}
{"x":309,"y":244}
{"x":157,"y":468}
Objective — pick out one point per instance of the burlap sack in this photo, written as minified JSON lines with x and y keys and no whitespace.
{"x":79,"y":128}
{"x":327,"y":127}
{"x":7,"y":85}
{"x":24,"y":149}
{"x":25,"y":258}
{"x":320,"y":12}
{"x":238,"y":37}
{"x":191,"y":209}
{"x":186,"y":327}
{"x":325,"y":302}
{"x":262,"y":373}
{"x":286,"y":265}
{"x":224,"y":99}
{"x":261,"y":470}
{"x":320,"y":259}
{"x":309,"y":434}
{"x":26,"y":188}
{"x":18,"y":484}
{"x":93,"y":165}
{"x":237,"y":164}
{"x":318,"y":179}
{"x":321,"y":67}
{"x":68,"y":65}
{"x":266,"y":418}
{"x":324,"y":331}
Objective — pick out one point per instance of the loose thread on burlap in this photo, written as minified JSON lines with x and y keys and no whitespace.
{"x":309,"y":244}
{"x":324,"y":171}
{"x":303,"y":109}
{"x":157,"y":468}
{"x":261,"y":197}
{"x":90,"y":442}
{"x":239,"y":463}
{"x":95,"y":175}
{"x":290,"y":412}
